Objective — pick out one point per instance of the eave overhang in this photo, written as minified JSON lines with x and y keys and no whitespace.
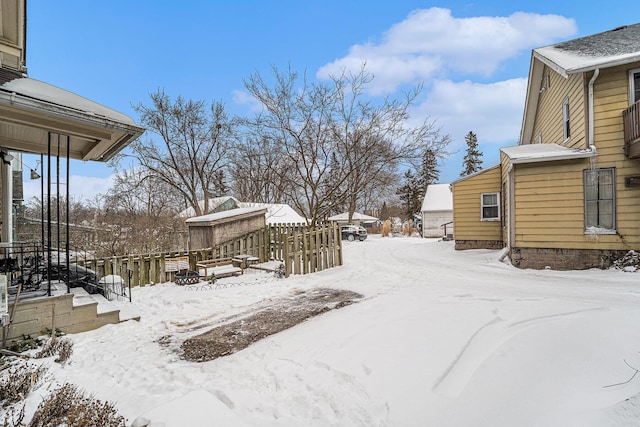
{"x":31,"y":111}
{"x":537,"y":153}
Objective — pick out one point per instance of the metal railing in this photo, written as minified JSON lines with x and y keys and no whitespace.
{"x":631,"y":119}
{"x":33,"y":270}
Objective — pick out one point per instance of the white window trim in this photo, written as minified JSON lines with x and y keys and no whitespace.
{"x":566,"y":119}
{"x":631,"y":87}
{"x":497,"y":194}
{"x":548,"y":81}
{"x":598,"y":230}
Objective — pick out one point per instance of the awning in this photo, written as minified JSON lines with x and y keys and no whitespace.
{"x":535,"y":153}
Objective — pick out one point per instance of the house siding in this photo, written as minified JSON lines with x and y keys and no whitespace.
{"x":611,"y":97}
{"x":549,"y":196}
{"x":549,"y":118}
{"x":469,"y":231}
{"x":549,"y":200}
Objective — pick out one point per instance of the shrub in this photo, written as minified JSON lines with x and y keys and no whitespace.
{"x":13,"y":417}
{"x":63,"y":347}
{"x":25,"y":344}
{"x":407,"y":228}
{"x":17,"y":381}
{"x":386,"y":228}
{"x":69,"y":406}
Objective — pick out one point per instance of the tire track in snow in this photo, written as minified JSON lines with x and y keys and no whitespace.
{"x":482,"y":344}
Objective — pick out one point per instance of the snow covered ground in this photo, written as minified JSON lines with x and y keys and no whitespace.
{"x":441,"y":338}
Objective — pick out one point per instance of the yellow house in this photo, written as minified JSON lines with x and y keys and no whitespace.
{"x":568,"y":196}
{"x":477,"y":224}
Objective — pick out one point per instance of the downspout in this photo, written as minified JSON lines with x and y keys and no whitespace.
{"x":508,"y":220}
{"x":590,"y":144}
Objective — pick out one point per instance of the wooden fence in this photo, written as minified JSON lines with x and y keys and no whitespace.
{"x":302,"y":249}
{"x":309,"y":249}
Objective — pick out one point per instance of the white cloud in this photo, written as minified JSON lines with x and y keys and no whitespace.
{"x":492,"y":111}
{"x":431,"y":43}
{"x":244,"y":98}
{"x":82,"y":188}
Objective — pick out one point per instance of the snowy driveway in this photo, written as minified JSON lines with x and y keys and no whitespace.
{"x":442,"y":338}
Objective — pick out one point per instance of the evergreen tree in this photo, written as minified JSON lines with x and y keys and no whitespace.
{"x":472,"y":160}
{"x":410,"y":194}
{"x":384,"y":211}
{"x":429,"y":173}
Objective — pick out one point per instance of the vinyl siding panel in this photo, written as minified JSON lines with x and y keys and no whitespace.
{"x":549,"y":117}
{"x":611,"y":97}
{"x":466,"y":207}
{"x":549,"y":196}
{"x":549,"y":204}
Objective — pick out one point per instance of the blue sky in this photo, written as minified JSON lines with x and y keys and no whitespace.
{"x":473,"y":58}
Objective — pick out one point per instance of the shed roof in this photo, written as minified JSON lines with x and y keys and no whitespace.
{"x":438,"y":198}
{"x":357,"y":216}
{"x":231,"y":213}
{"x":278,"y":213}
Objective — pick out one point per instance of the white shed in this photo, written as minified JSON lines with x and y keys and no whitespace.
{"x":437,"y":211}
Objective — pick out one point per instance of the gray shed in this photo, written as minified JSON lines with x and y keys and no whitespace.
{"x":210,"y":230}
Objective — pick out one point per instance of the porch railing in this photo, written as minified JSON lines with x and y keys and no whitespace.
{"x":631,"y":119}
{"x":31,"y":269}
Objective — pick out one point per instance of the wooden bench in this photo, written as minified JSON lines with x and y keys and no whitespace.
{"x":220,"y":267}
{"x":175,"y":264}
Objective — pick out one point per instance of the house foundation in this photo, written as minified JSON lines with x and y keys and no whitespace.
{"x":479,"y":244}
{"x":563,"y":259}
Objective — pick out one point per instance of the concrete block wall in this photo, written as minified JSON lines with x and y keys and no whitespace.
{"x":34,"y":316}
{"x":563,"y":259}
{"x":478,"y":244}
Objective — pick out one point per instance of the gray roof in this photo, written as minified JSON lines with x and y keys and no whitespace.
{"x":610,"y":48}
{"x":619,"y":46}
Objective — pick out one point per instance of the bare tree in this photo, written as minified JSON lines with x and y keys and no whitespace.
{"x":150,"y":195}
{"x":335,"y":141}
{"x":298,"y":120}
{"x":192,"y":152}
{"x":139,"y":216}
{"x":258,"y":171}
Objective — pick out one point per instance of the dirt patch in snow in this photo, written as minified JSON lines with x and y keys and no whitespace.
{"x":282,"y":314}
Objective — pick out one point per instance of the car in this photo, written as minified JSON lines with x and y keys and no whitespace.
{"x":353,"y":232}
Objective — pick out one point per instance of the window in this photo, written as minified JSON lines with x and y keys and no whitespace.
{"x":490,"y":207}
{"x":548,"y":79}
{"x":634,"y":86}
{"x":599,"y":200}
{"x":565,"y":118}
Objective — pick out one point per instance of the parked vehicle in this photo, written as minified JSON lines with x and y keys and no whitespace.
{"x":353,"y":232}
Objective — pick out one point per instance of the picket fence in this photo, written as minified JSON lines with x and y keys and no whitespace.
{"x":301,"y":248}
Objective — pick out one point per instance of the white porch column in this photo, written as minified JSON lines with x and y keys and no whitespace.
{"x":7,"y":197}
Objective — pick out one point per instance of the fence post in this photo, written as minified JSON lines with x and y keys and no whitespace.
{"x":337,"y":236}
